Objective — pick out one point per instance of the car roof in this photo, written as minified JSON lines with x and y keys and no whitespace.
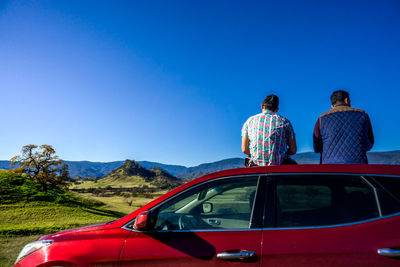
{"x":312,"y":168}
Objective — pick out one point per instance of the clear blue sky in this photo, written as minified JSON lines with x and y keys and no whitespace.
{"x":173,"y":81}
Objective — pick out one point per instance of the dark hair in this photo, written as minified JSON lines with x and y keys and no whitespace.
{"x":339,"y":96}
{"x":271,"y":102}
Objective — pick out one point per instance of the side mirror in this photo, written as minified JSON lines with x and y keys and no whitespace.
{"x":207,"y":207}
{"x":141,"y":221}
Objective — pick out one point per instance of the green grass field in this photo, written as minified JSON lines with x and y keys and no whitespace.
{"x":11,"y":246}
{"x":21,"y":223}
{"x":26,"y":214}
{"x":40,"y":218}
{"x":116,"y":182}
{"x":121,"y":204}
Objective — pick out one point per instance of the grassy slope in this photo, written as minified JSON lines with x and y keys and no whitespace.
{"x":130,"y":181}
{"x":21,"y":223}
{"x":26,"y":213}
{"x":11,"y":246}
{"x":119,"y":203}
{"x":24,"y":219}
{"x":41,"y":218}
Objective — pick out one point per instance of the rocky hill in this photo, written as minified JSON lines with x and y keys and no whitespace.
{"x":131,"y":172}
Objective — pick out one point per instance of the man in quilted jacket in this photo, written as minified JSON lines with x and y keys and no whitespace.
{"x":343,"y":134}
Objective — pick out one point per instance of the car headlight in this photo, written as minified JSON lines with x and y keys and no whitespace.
{"x":32,"y":247}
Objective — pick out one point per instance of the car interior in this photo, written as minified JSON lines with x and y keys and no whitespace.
{"x":323,"y":203}
{"x":226,"y":206}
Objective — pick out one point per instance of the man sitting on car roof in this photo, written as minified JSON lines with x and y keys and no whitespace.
{"x":268,"y":138}
{"x":343,"y":134}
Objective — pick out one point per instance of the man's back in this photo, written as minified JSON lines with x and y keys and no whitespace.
{"x":343,"y":135}
{"x":268,"y":135}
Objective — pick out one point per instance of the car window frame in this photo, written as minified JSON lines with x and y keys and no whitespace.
{"x":256,"y":217}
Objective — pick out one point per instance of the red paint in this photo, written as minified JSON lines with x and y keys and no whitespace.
{"x":351,"y":245}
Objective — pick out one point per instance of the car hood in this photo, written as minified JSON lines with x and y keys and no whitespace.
{"x":87,"y":228}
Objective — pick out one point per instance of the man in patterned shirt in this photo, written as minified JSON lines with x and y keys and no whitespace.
{"x":268,"y":138}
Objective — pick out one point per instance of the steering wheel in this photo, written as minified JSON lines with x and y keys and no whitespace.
{"x":186,"y":222}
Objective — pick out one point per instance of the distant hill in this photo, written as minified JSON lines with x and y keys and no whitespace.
{"x":101,"y":169}
{"x":202,"y":169}
{"x":132,"y":173}
{"x":92,"y":169}
{"x":306,"y":158}
{"x":81,"y":168}
{"x":4,"y":164}
{"x":389,"y":157}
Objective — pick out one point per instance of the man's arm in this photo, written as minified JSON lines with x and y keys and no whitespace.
{"x":290,"y":139}
{"x":370,"y":133}
{"x":245,"y":145}
{"x":317,"y":139}
{"x":292,"y":146}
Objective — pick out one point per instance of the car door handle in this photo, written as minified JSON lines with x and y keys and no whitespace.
{"x":213,"y":221}
{"x":389,"y":252}
{"x":237,"y":255}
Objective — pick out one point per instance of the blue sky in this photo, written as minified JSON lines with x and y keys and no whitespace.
{"x":173,"y":81}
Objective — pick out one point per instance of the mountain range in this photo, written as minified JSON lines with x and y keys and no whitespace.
{"x":100,"y":169}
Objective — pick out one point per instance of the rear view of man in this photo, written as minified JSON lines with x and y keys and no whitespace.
{"x":343,"y":135}
{"x":268,"y":138}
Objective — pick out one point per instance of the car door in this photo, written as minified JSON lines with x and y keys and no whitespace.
{"x":211,"y":224}
{"x":328,"y":220}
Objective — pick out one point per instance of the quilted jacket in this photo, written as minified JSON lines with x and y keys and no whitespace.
{"x":343,"y":135}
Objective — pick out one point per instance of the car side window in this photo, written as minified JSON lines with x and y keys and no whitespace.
{"x":318,"y":200}
{"x":223,"y":204}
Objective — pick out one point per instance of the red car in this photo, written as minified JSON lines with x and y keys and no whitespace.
{"x":298,"y":215}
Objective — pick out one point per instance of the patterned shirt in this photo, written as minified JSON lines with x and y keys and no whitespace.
{"x":268,"y":134}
